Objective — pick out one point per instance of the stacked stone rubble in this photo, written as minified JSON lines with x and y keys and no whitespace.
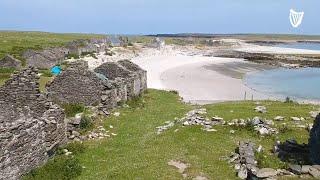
{"x":30,"y":125}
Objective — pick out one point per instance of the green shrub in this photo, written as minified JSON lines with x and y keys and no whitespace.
{"x":72,"y":109}
{"x":269,"y":161}
{"x":7,"y":70}
{"x":46,"y":73}
{"x":75,"y":147}
{"x":74,"y":56}
{"x":61,"y":167}
{"x":288,"y":100}
{"x":136,"y":102}
{"x":174,"y":92}
{"x":86,"y":122}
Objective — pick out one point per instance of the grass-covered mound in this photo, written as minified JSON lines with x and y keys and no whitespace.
{"x":137,"y":152}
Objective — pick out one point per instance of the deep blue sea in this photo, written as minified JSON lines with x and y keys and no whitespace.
{"x":294,"y":83}
{"x":301,"y":45}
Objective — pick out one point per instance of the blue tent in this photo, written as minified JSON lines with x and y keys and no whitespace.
{"x":56,"y":70}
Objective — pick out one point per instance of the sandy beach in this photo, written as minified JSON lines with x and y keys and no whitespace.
{"x":198,"y":80}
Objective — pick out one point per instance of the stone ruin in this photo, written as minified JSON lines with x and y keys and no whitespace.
{"x":78,"y":85}
{"x":79,"y":47}
{"x":106,"y":86}
{"x":10,"y":62}
{"x":128,"y":78}
{"x":46,"y":58}
{"x":31,"y":127}
{"x":314,"y":142}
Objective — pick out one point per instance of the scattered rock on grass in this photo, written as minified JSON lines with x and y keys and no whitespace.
{"x":261,"y":109}
{"x":279,"y":118}
{"x":117,"y":114}
{"x":266,"y":173}
{"x":179,"y":165}
{"x":295,"y":119}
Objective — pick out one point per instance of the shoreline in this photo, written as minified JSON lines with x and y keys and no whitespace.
{"x":195,"y":82}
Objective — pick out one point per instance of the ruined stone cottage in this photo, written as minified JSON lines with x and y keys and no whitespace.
{"x":106,"y":86}
{"x":10,"y":62}
{"x":78,"y":85}
{"x":45,"y":59}
{"x":125,"y":73}
{"x":30,"y":125}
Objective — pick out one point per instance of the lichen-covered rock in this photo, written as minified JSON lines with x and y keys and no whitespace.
{"x":30,"y":125}
{"x":314,"y":142}
{"x":10,"y":62}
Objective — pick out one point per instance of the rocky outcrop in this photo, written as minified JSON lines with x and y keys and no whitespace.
{"x":274,"y":59}
{"x":314,"y":142}
{"x":45,"y":59}
{"x":10,"y":62}
{"x":30,"y":125}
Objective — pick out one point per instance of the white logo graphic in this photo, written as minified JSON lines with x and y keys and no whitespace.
{"x":295,"y":18}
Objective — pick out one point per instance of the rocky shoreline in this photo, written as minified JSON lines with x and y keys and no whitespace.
{"x":277,"y":60}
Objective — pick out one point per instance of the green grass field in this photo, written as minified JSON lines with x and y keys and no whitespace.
{"x":15,"y":43}
{"x":137,"y":152}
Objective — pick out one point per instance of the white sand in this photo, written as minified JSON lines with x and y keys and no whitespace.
{"x":252,"y":48}
{"x":196,"y":84}
{"x":184,"y":70}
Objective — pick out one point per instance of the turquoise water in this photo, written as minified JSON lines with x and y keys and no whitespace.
{"x":301,"y":45}
{"x":294,"y":83}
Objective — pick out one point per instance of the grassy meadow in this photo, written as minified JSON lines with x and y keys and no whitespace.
{"x":137,"y":152}
{"x":16,"y":42}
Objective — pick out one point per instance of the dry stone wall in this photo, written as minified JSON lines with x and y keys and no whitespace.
{"x":314,"y":142}
{"x":30,"y":125}
{"x":10,"y":62}
{"x":77,"y":85}
{"x":45,"y":59}
{"x":106,"y":86}
{"x":129,"y":73}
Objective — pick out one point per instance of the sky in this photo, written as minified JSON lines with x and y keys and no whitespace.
{"x":159,"y":16}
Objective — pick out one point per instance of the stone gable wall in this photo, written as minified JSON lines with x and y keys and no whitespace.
{"x":30,"y":125}
{"x":76,"y":85}
{"x":314,"y":142}
{"x":10,"y":62}
{"x":46,"y":58}
{"x":106,"y":86}
{"x":130,"y":74}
